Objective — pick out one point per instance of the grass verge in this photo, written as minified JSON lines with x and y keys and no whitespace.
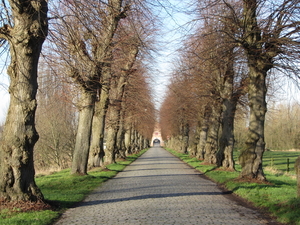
{"x":64,"y":190}
{"x":278,"y":197}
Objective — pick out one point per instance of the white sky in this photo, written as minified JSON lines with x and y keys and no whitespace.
{"x":4,"y":96}
{"x":175,"y":27}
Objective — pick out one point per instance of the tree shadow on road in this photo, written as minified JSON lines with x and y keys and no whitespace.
{"x":151,"y":196}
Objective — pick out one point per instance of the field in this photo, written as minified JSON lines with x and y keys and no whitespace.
{"x":283,"y":161}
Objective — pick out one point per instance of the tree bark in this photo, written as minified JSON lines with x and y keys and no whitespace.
{"x":229,"y":102}
{"x":121,"y":132}
{"x":225,"y":153}
{"x":95,"y":156}
{"x":81,"y":151}
{"x":146,"y":143}
{"x":259,"y":62}
{"x":135,"y":141}
{"x":120,"y":142}
{"x":132,"y":140}
{"x":185,"y":138}
{"x":116,"y":96}
{"x":195,"y":142}
{"x":102,"y":53}
{"x":211,"y":146}
{"x":97,"y":144}
{"x":141,"y":142}
{"x":251,"y":157}
{"x":203,"y":133}
{"x":25,"y":38}
{"x":116,"y":92}
{"x":127,"y":139}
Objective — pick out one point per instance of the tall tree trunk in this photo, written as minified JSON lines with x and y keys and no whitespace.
{"x":97,"y":144}
{"x":146,"y":143}
{"x":115,"y":107}
{"x":183,"y":132}
{"x":112,"y":129}
{"x":225,"y":153}
{"x":113,"y":121}
{"x":260,"y":60}
{"x":25,"y":38}
{"x":185,"y":138}
{"x":82,"y":146}
{"x":251,"y":157}
{"x":121,"y":132}
{"x":132,"y":139}
{"x":120,"y":141}
{"x":95,"y":156}
{"x":195,"y":142}
{"x":141,"y":142}
{"x":127,"y":139}
{"x":211,"y":146}
{"x":116,"y":96}
{"x":135,"y":141}
{"x":103,"y":56}
{"x":138,"y":138}
{"x":203,"y":133}
{"x":229,"y":102}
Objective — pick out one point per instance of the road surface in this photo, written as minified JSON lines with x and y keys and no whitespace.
{"x":156,"y":189}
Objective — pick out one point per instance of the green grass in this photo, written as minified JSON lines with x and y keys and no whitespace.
{"x":278,"y":197}
{"x":278,"y":160}
{"x":64,"y":190}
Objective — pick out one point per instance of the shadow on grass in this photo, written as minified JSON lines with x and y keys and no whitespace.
{"x":257,"y":187}
{"x":288,"y":211}
{"x":209,"y":170}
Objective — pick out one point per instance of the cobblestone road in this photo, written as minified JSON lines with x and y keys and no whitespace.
{"x":159,"y":189}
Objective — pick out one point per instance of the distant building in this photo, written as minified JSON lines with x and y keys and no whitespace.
{"x":156,"y":137}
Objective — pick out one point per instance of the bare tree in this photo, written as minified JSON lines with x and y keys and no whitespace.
{"x":282,"y":126}
{"x":178,"y":109}
{"x":87,"y":57}
{"x":116,"y":97}
{"x":134,"y":31}
{"x":55,"y":119}
{"x":263,"y":45}
{"x":139,"y":114}
{"x":266,"y":32}
{"x":25,"y":29}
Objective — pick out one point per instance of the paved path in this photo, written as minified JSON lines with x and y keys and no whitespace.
{"x":159,"y":189}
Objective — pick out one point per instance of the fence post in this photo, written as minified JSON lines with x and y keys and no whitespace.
{"x":272,"y":162}
{"x":297,"y":168}
{"x":288,"y":165}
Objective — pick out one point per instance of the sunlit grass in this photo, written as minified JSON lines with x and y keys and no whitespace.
{"x":277,"y":160}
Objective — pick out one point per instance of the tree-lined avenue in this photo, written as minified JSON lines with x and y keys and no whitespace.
{"x":159,"y":189}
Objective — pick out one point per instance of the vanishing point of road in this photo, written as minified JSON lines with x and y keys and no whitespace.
{"x":157,"y":189}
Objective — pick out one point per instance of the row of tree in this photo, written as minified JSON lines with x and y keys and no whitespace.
{"x":93,"y":85}
{"x":226,"y":65}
